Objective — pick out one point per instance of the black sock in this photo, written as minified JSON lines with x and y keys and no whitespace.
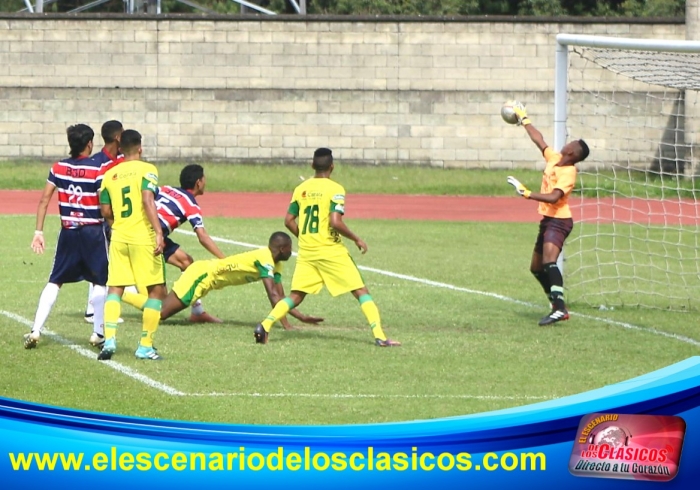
{"x":556,"y":282}
{"x":543,"y":278}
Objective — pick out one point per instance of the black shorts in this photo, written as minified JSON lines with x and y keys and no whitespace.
{"x":553,"y":230}
{"x":170,"y":248}
{"x":81,"y":255}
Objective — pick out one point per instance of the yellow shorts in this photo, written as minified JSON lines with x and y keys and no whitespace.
{"x":193,"y":283}
{"x":339,"y":274}
{"x":134,"y":264}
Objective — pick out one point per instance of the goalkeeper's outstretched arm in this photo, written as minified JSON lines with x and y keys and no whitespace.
{"x":531,"y":130}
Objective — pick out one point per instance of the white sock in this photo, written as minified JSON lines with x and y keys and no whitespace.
{"x":99,"y":294}
{"x":46,"y":301}
{"x":90,"y":308}
{"x":131,"y":289}
{"x":197,"y":308}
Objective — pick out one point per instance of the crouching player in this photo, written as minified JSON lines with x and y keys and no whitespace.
{"x":264,"y":264}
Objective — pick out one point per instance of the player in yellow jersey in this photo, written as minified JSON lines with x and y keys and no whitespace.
{"x":319,"y":204}
{"x":558,"y":181}
{"x":263,"y":264}
{"x":127,"y":202}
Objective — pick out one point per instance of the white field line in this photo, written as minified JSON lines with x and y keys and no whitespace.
{"x":358,"y":395}
{"x":125,"y":370}
{"x":428,"y":282}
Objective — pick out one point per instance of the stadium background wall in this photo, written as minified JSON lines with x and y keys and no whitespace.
{"x":395,"y":91}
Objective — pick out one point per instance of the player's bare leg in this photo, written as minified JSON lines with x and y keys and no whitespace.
{"x":556,"y":295}
{"x":171,"y":306}
{"x":371,"y":312}
{"x":183,"y":260}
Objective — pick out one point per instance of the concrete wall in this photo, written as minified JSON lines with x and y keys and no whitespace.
{"x":252,"y":88}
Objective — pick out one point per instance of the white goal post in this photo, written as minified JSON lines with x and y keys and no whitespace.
{"x":636,"y":103}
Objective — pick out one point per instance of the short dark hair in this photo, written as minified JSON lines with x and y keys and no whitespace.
{"x":110,"y":130}
{"x":78,"y":138}
{"x":585,"y":151}
{"x":323,"y":159}
{"x":279,"y":237}
{"x":190,"y":175}
{"x":130,"y":142}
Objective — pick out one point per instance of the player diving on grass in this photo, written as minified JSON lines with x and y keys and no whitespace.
{"x":263,"y":264}
{"x":323,"y":259}
{"x":175,"y":206}
{"x":558,"y":181}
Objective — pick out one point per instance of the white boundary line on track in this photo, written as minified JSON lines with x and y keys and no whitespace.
{"x":125,"y":370}
{"x":428,"y":282}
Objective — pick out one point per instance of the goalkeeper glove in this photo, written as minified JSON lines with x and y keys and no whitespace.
{"x":521,"y":113}
{"x":519,"y":188}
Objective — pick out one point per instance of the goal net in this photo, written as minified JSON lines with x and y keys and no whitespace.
{"x":635,"y":102}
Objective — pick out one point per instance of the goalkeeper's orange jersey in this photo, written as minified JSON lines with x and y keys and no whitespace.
{"x":121,"y":187}
{"x":563,"y":178}
{"x":313,"y":202}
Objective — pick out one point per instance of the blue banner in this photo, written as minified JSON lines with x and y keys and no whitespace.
{"x":524,"y":447}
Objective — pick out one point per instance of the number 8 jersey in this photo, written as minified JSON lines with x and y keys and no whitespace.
{"x":313,"y":202}
{"x":121,"y":187}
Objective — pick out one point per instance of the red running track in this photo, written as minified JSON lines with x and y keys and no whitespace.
{"x":443,"y":208}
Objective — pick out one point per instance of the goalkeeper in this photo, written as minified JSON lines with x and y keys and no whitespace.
{"x":558,"y":181}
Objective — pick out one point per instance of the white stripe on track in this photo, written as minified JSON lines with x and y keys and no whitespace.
{"x":125,"y":370}
{"x":428,"y":282}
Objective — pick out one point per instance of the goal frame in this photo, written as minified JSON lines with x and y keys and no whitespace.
{"x":561,"y":70}
{"x":561,"y":66}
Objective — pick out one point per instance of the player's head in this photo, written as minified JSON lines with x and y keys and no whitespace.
{"x":576,"y":151}
{"x":111,"y":132}
{"x":80,"y":139}
{"x":280,"y":244}
{"x":192,"y":179}
{"x":130,"y":143}
{"x":323,"y":160}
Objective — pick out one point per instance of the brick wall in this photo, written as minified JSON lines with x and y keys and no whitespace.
{"x":243,"y":89}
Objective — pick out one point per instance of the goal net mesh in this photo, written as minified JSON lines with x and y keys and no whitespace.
{"x":636,"y":240}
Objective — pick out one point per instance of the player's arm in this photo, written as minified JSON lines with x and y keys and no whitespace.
{"x":106,"y":206}
{"x":534,"y":133}
{"x":149,"y":206}
{"x":275,"y":293}
{"x":290,"y":222}
{"x":38,"y":243}
{"x":339,"y":225}
{"x":208,"y":243}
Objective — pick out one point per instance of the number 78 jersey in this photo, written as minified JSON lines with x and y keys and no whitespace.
{"x":313,"y":202}
{"x":121,"y":187}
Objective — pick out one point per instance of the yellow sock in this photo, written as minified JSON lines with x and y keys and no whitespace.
{"x":151,"y":318}
{"x":137,"y":300}
{"x":371,"y":312}
{"x":134,"y":299}
{"x":113,"y":309}
{"x":280,"y":310}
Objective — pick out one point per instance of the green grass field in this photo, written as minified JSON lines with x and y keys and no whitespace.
{"x":469,"y":346}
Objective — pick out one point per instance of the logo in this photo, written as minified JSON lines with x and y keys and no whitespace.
{"x":115,"y":176}
{"x":303,"y":194}
{"x":629,"y":447}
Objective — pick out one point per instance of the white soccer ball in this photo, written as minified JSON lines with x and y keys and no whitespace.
{"x":508,"y":111}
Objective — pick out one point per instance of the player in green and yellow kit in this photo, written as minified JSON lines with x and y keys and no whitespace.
{"x":263,"y":264}
{"x":319,"y":205}
{"x":127,"y":202}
